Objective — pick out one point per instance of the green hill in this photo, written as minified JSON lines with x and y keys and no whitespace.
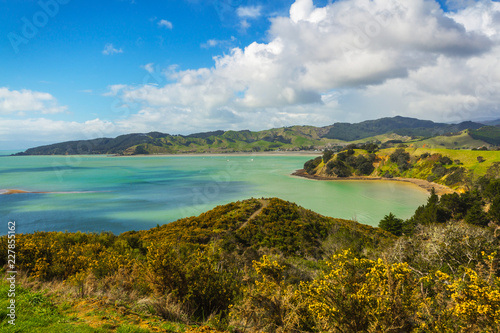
{"x":258,"y":265}
{"x":489,"y":134}
{"x":183,"y":271}
{"x":450,"y":167}
{"x":268,"y":223}
{"x":285,"y":138}
{"x":460,"y":140}
{"x":399,"y":125}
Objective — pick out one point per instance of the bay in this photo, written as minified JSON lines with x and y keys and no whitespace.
{"x":117,"y":194}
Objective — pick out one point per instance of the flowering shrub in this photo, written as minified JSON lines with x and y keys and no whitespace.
{"x":356,"y":295}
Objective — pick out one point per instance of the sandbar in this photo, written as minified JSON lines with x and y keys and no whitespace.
{"x":11,"y":191}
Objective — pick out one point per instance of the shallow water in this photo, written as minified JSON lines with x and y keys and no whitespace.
{"x":100,"y":193}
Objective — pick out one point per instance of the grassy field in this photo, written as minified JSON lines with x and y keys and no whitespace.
{"x":467,"y":157}
{"x":55,"y":310}
{"x":460,"y":141}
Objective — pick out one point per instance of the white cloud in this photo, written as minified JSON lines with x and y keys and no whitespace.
{"x":218,"y":42}
{"x":249,"y":11}
{"x":300,"y":10}
{"x":21,"y":101}
{"x":210,"y":43}
{"x":109,"y":49}
{"x":347,"y":61}
{"x":246,"y":13}
{"x":149,"y":67}
{"x":347,"y":44}
{"x":43,"y":129}
{"x":114,"y":89}
{"x":481,"y":17}
{"x":166,"y":24}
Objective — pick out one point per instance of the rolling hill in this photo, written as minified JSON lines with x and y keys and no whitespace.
{"x":285,"y":138}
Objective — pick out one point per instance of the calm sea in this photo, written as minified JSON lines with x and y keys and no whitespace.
{"x":101,"y":193}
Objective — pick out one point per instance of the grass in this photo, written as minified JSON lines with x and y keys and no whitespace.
{"x":37,"y":311}
{"x":460,"y":141}
{"x":467,"y":157}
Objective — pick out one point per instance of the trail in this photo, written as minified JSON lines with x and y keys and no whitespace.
{"x":264,"y":203}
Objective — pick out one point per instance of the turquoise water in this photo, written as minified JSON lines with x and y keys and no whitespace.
{"x":100,"y":193}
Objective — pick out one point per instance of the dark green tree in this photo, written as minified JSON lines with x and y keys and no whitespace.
{"x":310,"y":165}
{"x":429,"y":213}
{"x":140,"y":150}
{"x":401,"y":158}
{"x":339,"y":168}
{"x":369,"y":147}
{"x":492,"y":190}
{"x":445,"y":160}
{"x":494,"y":211}
{"x":366,"y":168}
{"x":476,"y":215}
{"x":459,"y":205}
{"x":327,"y":155}
{"x":391,"y":224}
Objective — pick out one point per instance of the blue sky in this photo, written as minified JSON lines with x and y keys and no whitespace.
{"x":82,"y":69}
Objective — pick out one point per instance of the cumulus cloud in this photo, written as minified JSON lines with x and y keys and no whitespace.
{"x":21,"y":101}
{"x":347,"y":61}
{"x":109,"y":49}
{"x":481,"y":17}
{"x":166,"y":24}
{"x":344,"y":45}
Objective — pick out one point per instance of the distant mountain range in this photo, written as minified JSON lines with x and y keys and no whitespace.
{"x":395,"y":129}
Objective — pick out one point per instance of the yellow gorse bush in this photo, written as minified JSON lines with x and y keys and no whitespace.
{"x":475,"y":300}
{"x":356,"y":294}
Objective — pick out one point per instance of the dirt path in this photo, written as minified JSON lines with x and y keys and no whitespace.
{"x":440,"y":189}
{"x":264,"y":203}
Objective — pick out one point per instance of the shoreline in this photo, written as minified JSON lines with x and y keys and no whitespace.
{"x":423,"y":184}
{"x":267,"y":153}
{"x":262,"y":153}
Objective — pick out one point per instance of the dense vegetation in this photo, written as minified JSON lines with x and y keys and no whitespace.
{"x":400,"y":125}
{"x":191,"y":270}
{"x":384,"y":130}
{"x":489,"y":134}
{"x":267,"y":265}
{"x":479,"y":206}
{"x":458,"y":169}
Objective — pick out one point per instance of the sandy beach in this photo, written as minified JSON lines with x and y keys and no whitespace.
{"x":424,"y":184}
